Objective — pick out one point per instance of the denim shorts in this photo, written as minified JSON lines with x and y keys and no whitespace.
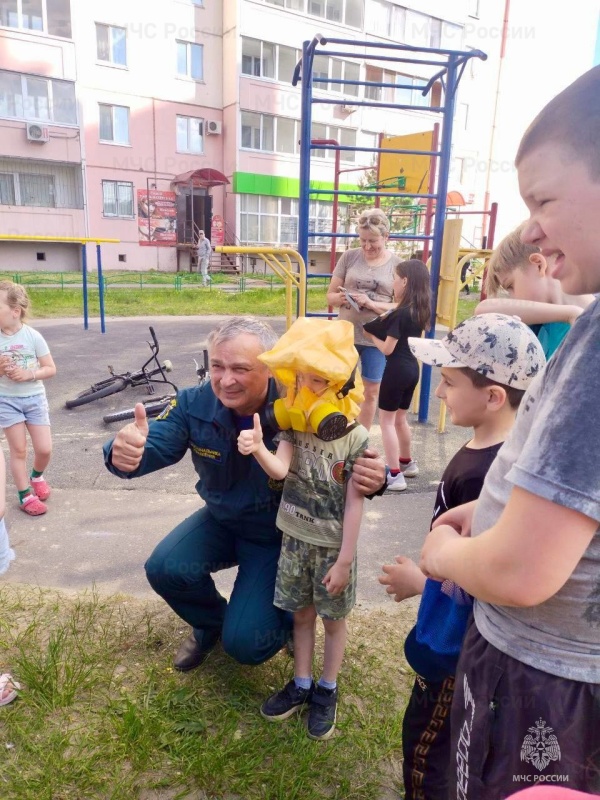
{"x":372,"y":363}
{"x":33,"y":410}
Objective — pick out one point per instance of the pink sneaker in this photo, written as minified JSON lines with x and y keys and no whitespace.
{"x":33,"y":506}
{"x":40,"y":487}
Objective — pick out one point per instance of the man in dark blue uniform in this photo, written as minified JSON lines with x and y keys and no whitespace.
{"x":237,"y":524}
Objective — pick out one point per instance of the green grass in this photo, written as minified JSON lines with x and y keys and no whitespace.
{"x":466,"y":307}
{"x":103,"y":715}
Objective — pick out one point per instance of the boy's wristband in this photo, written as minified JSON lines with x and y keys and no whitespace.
{"x":33,"y":378}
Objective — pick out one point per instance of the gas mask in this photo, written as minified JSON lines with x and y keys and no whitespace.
{"x":303,"y":410}
{"x":325,"y":348}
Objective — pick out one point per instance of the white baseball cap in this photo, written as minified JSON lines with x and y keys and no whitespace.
{"x":500,"y":347}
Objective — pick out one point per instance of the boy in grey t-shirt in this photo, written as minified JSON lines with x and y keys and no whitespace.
{"x":527,"y":706}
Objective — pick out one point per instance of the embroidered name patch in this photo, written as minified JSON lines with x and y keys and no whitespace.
{"x":208,"y":453}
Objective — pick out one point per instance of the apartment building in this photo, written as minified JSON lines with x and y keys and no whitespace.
{"x":144,"y":122}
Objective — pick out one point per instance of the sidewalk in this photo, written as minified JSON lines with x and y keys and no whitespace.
{"x":99,"y":530}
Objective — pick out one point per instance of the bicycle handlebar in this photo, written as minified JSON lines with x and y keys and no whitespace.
{"x":154,"y":339}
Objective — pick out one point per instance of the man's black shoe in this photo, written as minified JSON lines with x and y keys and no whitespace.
{"x":191,"y":653}
{"x":322,"y":713}
{"x":283,"y":704}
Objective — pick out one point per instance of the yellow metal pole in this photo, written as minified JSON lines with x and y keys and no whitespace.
{"x":284,"y":269}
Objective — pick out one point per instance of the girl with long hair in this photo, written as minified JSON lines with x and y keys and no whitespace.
{"x":389,"y":333}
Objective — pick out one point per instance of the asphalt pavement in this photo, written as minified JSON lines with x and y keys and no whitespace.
{"x":99,"y":529}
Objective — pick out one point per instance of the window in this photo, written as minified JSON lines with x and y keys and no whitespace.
{"x":274,"y":220}
{"x":190,"y":58}
{"x":26,"y":182}
{"x":348,"y":12}
{"x":384,"y":19}
{"x":117,"y":199}
{"x":382,"y":94}
{"x":268,"y":60}
{"x":407,"y":96}
{"x":114,"y":124}
{"x":190,"y":135}
{"x":258,"y":131}
{"x":258,"y":58}
{"x":287,"y":58}
{"x":7,"y":189}
{"x":344,"y":136}
{"x":30,"y":15}
{"x":32,"y":98}
{"x":111,"y":44}
{"x":327,"y":69}
{"x":37,"y":190}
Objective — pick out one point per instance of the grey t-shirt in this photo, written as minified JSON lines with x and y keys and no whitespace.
{"x":554,"y":452}
{"x":357,"y":276}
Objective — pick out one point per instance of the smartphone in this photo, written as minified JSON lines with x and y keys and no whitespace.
{"x":349,"y":299}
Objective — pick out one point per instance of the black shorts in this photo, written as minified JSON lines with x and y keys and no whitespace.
{"x":398,"y":384}
{"x":514,"y":726}
{"x":426,"y":740}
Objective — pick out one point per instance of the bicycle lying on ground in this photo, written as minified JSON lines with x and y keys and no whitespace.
{"x":157,"y":405}
{"x":120,"y":381}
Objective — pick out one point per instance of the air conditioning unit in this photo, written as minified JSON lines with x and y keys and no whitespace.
{"x":212,"y":127}
{"x":37,"y":132}
{"x":348,"y":109}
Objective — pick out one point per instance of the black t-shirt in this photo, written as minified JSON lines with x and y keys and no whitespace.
{"x":399,"y":324}
{"x":432,"y":647}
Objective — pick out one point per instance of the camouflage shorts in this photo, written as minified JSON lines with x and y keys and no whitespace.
{"x":300,"y":572}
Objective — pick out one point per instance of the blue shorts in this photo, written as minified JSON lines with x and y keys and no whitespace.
{"x":33,"y":410}
{"x":372,"y":363}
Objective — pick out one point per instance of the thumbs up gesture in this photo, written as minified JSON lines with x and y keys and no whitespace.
{"x":130,"y":441}
{"x":250,"y":440}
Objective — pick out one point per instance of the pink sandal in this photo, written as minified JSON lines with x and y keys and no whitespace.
{"x":33,"y":506}
{"x":8,"y":689}
{"x":40,"y":488}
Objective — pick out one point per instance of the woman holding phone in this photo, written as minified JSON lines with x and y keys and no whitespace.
{"x":362,"y":285}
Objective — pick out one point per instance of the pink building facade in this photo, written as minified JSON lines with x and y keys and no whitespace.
{"x":100,"y":104}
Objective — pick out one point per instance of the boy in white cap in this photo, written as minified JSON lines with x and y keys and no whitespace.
{"x":487,"y":362}
{"x":526,"y":708}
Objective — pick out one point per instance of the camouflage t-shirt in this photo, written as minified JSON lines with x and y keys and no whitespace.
{"x":312,"y":504}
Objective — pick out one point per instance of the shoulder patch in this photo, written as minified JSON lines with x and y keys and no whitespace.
{"x":165,"y":413}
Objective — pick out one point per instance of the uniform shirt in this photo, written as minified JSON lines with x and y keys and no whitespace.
{"x":357,"y":276}
{"x":236,"y":490}
{"x":433,"y":646}
{"x":553,"y":451}
{"x":25,"y":347}
{"x":314,"y":491}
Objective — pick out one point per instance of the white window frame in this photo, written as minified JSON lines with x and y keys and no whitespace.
{"x":16,"y":194}
{"x":111,"y":44}
{"x":189,"y":122}
{"x":21,"y":27}
{"x":25,"y":107}
{"x":118,"y":185}
{"x":334,"y":132}
{"x":188,"y":60}
{"x":320,"y":216}
{"x":304,"y":7}
{"x":260,"y":149}
{"x":46,"y":23}
{"x":114,"y":141}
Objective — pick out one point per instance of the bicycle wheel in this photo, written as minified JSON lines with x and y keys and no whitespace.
{"x":96,"y":392}
{"x":153,"y":409}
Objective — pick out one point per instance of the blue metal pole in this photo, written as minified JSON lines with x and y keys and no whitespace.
{"x":86,"y":324}
{"x":305,"y":136}
{"x":100,"y":287}
{"x":438,"y":225}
